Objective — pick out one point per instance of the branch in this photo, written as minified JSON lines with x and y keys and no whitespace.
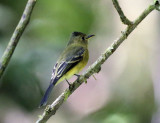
{"x":94,"y":68}
{"x":16,"y":36}
{"x":123,"y":18}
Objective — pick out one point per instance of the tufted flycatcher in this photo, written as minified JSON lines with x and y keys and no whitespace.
{"x":72,"y":60}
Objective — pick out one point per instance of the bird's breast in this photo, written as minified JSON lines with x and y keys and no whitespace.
{"x":76,"y":69}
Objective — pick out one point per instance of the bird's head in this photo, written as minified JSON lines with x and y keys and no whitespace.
{"x":79,"y":37}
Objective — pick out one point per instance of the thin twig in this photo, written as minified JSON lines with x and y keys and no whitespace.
{"x":94,"y":68}
{"x":16,"y":36}
{"x":123,"y":18}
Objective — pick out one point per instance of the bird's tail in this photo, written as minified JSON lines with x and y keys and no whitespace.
{"x":47,"y":93}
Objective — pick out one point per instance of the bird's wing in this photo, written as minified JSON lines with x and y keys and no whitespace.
{"x":62,"y":67}
{"x":65,"y":65}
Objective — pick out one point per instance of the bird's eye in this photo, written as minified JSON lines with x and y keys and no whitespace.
{"x":82,"y":38}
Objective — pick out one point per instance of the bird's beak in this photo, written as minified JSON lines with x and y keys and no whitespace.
{"x":89,"y":36}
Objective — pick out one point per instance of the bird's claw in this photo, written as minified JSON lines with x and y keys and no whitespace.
{"x":85,"y":80}
{"x":77,"y":77}
{"x":70,"y":85}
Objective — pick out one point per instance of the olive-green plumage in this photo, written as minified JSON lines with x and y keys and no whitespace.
{"x":72,"y":60}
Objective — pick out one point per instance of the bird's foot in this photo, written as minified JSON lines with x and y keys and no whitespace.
{"x":85,"y":80}
{"x":70,"y":85}
{"x":77,"y":77}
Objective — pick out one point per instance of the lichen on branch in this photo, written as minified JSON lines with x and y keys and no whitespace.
{"x":16,"y":36}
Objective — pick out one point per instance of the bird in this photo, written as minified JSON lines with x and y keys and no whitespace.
{"x":71,"y":61}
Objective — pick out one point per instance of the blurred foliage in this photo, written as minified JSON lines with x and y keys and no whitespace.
{"x":132,"y":100}
{"x":21,"y":85}
{"x":50,"y":25}
{"x":60,"y":18}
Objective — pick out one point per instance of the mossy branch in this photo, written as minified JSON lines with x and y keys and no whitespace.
{"x":96,"y":66}
{"x":16,"y":36}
